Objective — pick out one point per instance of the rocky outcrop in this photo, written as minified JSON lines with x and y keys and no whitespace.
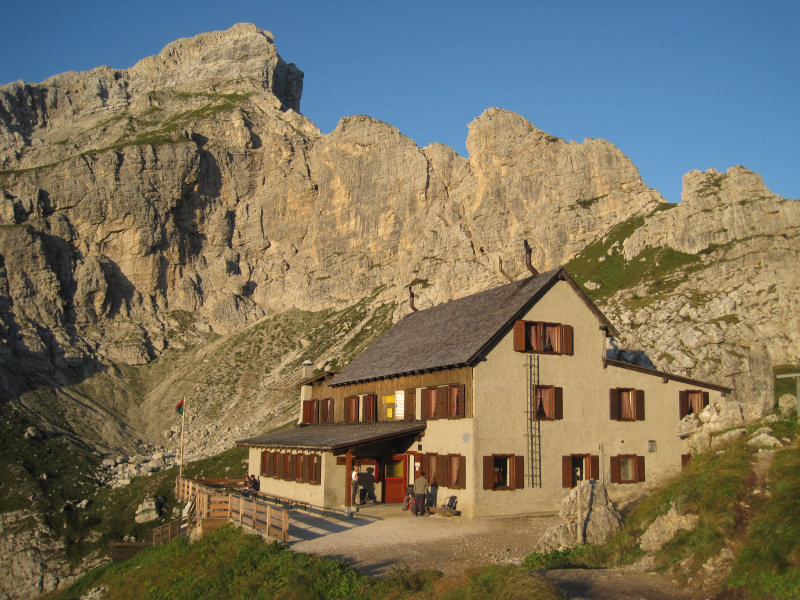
{"x":664,"y":528}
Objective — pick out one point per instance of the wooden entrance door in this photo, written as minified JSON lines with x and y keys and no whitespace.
{"x":394,"y":480}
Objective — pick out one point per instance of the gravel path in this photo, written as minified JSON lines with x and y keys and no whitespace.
{"x":380,"y":538}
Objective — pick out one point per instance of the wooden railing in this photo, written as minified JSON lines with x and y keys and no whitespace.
{"x":218,"y":501}
{"x":169,"y":531}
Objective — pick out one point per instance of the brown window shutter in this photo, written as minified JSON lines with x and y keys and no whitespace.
{"x":594,"y":467}
{"x":685,"y":459}
{"x":683,"y":403}
{"x":520,"y":344}
{"x":613,"y":403}
{"x":264,"y":461}
{"x":462,"y":472}
{"x":323,"y":410}
{"x":519,"y":472}
{"x":441,"y":401}
{"x":558,"y":403}
{"x":269,"y":466}
{"x":566,"y":339}
{"x":304,"y":475}
{"x":315,"y":411}
{"x":288,"y":472}
{"x":488,"y":472}
{"x":330,"y":411}
{"x":306,"y":411}
{"x":441,"y":469}
{"x":640,"y":468}
{"x":278,"y":465}
{"x":640,"y":405}
{"x":705,"y":399}
{"x":566,"y":471}
{"x":410,"y":407}
{"x":274,"y":468}
{"x":615,"y":469}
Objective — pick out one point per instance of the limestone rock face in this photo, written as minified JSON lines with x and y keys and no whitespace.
{"x":157,"y":208}
{"x":664,"y":528}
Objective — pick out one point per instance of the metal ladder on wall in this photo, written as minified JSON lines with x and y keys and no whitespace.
{"x":534,"y":425}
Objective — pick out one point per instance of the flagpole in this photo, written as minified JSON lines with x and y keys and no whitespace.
{"x":183,"y":421}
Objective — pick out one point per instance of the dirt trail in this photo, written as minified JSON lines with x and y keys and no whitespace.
{"x":381,"y":538}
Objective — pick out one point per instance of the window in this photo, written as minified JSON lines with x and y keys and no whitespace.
{"x":455,"y":401}
{"x":351,"y":409}
{"x":544,"y":338}
{"x":627,"y":468}
{"x":278,"y":471}
{"x":370,"y":408}
{"x":326,"y":410}
{"x":456,"y":472}
{"x":435,"y":402}
{"x":310,"y":411}
{"x":503,"y":472}
{"x":575,"y":467}
{"x":314,"y":464}
{"x":435,"y":467}
{"x":548,"y":402}
{"x":691,"y":402}
{"x":266,"y":463}
{"x":626,"y":404}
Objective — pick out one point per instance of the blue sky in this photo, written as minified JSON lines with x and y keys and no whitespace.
{"x":676,"y":85}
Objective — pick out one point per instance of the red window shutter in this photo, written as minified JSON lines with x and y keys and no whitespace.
{"x":640,"y":468}
{"x":640,"y":405}
{"x":683,"y":403}
{"x":330,"y":411}
{"x":519,"y":472}
{"x":288,"y":469}
{"x":264,"y":461}
{"x":274,"y":461}
{"x":410,"y":404}
{"x":566,"y":471}
{"x":615,"y":469}
{"x":520,"y":341}
{"x":278,"y":465}
{"x":306,"y":411}
{"x":613,"y":403}
{"x":441,"y":469}
{"x":594,"y":467}
{"x":558,"y":403}
{"x":441,"y":402}
{"x":304,"y":468}
{"x":705,"y":399}
{"x":488,"y":472}
{"x":323,"y":410}
{"x":685,"y":459}
{"x":566,"y":339}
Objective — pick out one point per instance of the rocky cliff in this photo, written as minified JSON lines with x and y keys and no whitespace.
{"x":180,"y":229}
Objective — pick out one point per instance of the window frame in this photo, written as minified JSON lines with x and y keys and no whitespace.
{"x":515,"y":472}
{"x":531,"y":336}
{"x":685,"y":407}
{"x":552,"y":407}
{"x":639,"y":471}
{"x":615,"y":404}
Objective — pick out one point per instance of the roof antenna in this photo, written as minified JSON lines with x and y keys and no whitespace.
{"x":528,"y":258}
{"x":411,"y":299}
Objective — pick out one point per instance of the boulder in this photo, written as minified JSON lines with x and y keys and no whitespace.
{"x":146,"y":511}
{"x":724,"y":438}
{"x":764,"y":440}
{"x":598,"y":517}
{"x":787,"y":404}
{"x":664,"y":528}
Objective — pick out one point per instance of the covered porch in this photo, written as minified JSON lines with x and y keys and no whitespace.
{"x":314,"y":463}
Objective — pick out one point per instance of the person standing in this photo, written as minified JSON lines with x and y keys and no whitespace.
{"x":420,"y":486}
{"x":354,"y":485}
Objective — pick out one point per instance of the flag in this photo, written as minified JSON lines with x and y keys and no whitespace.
{"x":179,"y":407}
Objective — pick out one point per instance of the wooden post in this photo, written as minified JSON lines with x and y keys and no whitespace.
{"x":347,"y":475}
{"x":580,"y":521}
{"x":285,"y":527}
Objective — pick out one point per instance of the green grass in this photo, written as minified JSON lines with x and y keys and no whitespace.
{"x":662,"y":268}
{"x":231,"y":564}
{"x":786,"y":385}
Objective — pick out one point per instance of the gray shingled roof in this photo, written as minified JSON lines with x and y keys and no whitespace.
{"x":334,"y":436}
{"x":453,"y":334}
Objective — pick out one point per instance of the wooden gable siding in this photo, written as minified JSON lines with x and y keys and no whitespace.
{"x":387,"y":387}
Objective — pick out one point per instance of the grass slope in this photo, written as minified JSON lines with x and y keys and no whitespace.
{"x":230,"y":564}
{"x":763,"y":529}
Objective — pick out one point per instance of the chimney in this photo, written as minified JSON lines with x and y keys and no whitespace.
{"x":308,"y":369}
{"x":528,"y":258}
{"x":411,"y":299}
